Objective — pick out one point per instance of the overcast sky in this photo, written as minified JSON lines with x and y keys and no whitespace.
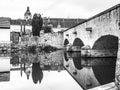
{"x":55,"y":8}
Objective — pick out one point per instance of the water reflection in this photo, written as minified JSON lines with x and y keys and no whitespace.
{"x":34,"y":68}
{"x":4,"y":69}
{"x":105,"y":73}
{"x":34,"y":63}
{"x":29,"y":69}
{"x":77,"y":62}
{"x":90,"y":72}
{"x":37,"y":73}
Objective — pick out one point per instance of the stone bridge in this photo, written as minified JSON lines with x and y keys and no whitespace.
{"x":100,"y":33}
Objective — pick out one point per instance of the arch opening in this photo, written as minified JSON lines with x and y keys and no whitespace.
{"x":108,"y":44}
{"x":66,"y":42}
{"x":78,"y":42}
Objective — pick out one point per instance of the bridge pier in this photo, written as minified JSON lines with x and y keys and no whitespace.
{"x":98,"y":53}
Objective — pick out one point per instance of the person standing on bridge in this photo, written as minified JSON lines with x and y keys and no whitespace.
{"x":37,"y":23}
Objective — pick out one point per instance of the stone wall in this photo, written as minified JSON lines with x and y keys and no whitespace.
{"x":52,"y":39}
{"x":45,"y":39}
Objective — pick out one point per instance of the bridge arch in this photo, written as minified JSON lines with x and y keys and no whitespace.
{"x":78,"y":42}
{"x":66,"y":42}
{"x":107,"y":42}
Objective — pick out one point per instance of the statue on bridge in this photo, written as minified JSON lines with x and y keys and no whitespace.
{"x":37,"y":23}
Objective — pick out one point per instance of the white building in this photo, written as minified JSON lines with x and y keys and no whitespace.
{"x":4,"y":29}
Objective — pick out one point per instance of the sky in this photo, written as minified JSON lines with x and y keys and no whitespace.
{"x":15,"y":9}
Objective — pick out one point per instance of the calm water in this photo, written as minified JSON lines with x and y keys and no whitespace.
{"x":54,"y":71}
{"x":90,"y":72}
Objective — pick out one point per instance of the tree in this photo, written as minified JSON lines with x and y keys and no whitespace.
{"x":37,"y":23}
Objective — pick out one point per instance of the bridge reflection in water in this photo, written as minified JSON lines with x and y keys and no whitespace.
{"x":86,"y":73}
{"x":90,"y":72}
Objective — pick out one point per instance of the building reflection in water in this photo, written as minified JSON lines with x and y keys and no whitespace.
{"x":34,"y":63}
{"x":90,"y":72}
{"x":4,"y":68}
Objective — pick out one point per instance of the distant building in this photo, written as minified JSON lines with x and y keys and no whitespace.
{"x":57,"y":24}
{"x":62,"y":22}
{"x":4,"y":29}
{"x":27,"y":15}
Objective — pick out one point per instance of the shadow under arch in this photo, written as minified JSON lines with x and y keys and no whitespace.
{"x":107,"y":42}
{"x":66,"y":42}
{"x":78,"y":42}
